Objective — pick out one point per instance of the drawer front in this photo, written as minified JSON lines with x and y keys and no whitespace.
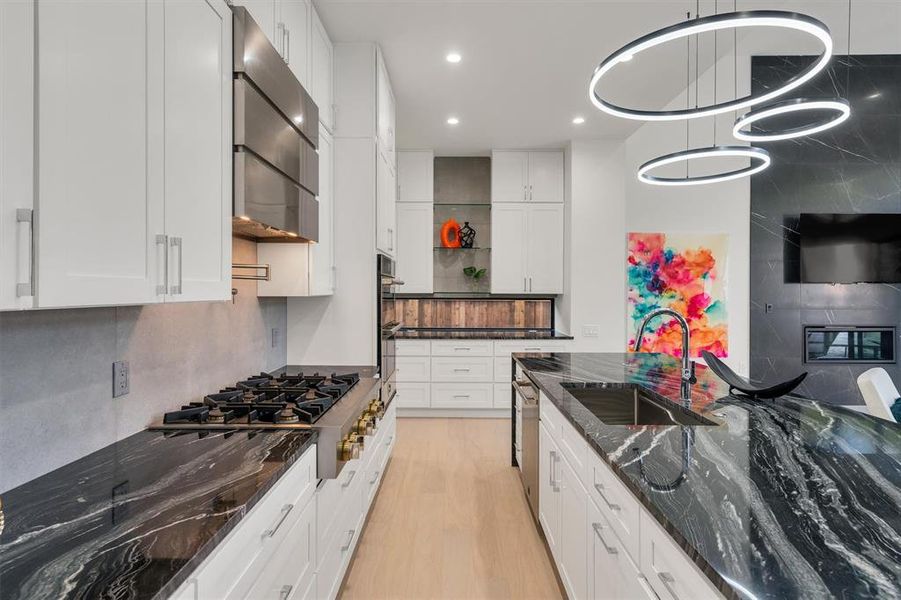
{"x":617,"y":503}
{"x":331,"y":499}
{"x":461,"y":395}
{"x":612,"y":574}
{"x":505,"y":348}
{"x":452,"y":369}
{"x":414,"y":347}
{"x":462,"y":348}
{"x":413,"y":368}
{"x":338,"y":548}
{"x":667,"y":568}
{"x":550,"y":416}
{"x":503,"y":395}
{"x":576,"y":450}
{"x":413,"y":395}
{"x":243,"y":554}
{"x":503,"y":369}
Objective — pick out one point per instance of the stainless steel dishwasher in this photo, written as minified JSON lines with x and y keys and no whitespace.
{"x":528,"y":396}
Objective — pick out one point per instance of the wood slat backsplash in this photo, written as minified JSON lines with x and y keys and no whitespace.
{"x":486,"y":314}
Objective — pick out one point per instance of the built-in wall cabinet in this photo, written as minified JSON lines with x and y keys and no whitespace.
{"x":527,"y":241}
{"x":535,"y":176}
{"x":603,"y":542}
{"x":415,"y":218}
{"x":134,"y":186}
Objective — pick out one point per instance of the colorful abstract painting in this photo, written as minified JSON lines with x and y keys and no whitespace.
{"x":683,"y":272}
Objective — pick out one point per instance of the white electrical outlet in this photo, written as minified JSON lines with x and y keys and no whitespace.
{"x":591,"y":331}
{"x":120,"y":378}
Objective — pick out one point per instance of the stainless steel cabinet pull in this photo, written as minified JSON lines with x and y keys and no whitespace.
{"x":176,"y":242}
{"x":349,"y":479}
{"x":668,"y":581}
{"x":609,"y":504}
{"x":285,"y":592}
{"x":24,"y":244}
{"x":461,"y":370}
{"x":533,"y":349}
{"x":553,"y":469}
{"x":287,"y":46}
{"x":525,"y":193}
{"x":530,"y":283}
{"x":524,"y":283}
{"x":163,"y":240}
{"x":286,"y":509}
{"x":462,"y":348}
{"x":390,"y":439}
{"x":597,"y":529}
{"x":350,"y":539}
{"x":281,"y":40}
{"x":375,"y":477}
{"x":530,"y":191}
{"x":461,"y":395}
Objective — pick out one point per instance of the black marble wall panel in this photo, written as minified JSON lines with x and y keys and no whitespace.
{"x":854,"y":168}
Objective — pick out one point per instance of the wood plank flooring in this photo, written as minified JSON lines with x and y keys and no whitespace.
{"x":451,"y":520}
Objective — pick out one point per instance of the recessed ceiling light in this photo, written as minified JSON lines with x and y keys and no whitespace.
{"x":578,"y":120}
{"x":453,"y":57}
{"x":453,"y":120}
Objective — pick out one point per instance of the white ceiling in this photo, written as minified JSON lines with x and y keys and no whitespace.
{"x":526,"y":63}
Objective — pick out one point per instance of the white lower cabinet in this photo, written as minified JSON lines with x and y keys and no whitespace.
{"x":604,"y":544}
{"x":461,"y":395}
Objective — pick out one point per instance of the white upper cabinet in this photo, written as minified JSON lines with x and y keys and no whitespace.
{"x":134,"y":153}
{"x":321,"y":72}
{"x":509,"y":274}
{"x":198,"y":175}
{"x":295,"y":17}
{"x":527,"y":248}
{"x":416,"y":176}
{"x":509,"y":176}
{"x":16,"y":153}
{"x":266,"y":15}
{"x":385,"y":111}
{"x":386,"y":216}
{"x":98,"y":211}
{"x":415,"y":263}
{"x":535,"y":176}
{"x":322,"y":253}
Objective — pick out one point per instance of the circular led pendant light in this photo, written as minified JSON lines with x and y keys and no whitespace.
{"x":761,"y":156}
{"x":760,"y":18}
{"x":839,"y":106}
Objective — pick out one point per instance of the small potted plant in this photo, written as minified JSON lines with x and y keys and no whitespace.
{"x":475,"y":275}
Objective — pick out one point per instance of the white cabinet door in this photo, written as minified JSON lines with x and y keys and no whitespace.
{"x":508,"y":253}
{"x":294,"y":16}
{"x":548,"y":491}
{"x":611,"y":573}
{"x":321,"y":72}
{"x":509,"y":176}
{"x":572,"y":537}
{"x":385,"y":110}
{"x":414,"y":246}
{"x":543,"y":239}
{"x":98,"y":218}
{"x":291,"y":569}
{"x":198,"y":156}
{"x":416,"y":176}
{"x":546,"y":176}
{"x":265,"y":13}
{"x":386,"y":238}
{"x":16,"y":152}
{"x":322,"y":253}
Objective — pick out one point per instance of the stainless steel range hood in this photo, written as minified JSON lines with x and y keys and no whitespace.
{"x":276,"y":129}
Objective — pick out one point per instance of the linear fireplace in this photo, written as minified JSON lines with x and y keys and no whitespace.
{"x":849,"y":345}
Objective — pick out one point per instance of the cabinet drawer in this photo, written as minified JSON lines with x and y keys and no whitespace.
{"x":332,"y":499}
{"x":617,"y":503}
{"x":336,"y":550}
{"x":238,"y":560}
{"x":461,"y":395}
{"x":505,"y":348}
{"x":290,"y":571}
{"x":612,"y":572}
{"x":453,"y":369}
{"x":667,"y":568}
{"x":462,"y":348}
{"x":413,"y":368}
{"x":414,"y":348}
{"x":575,"y":449}
{"x":503,"y":395}
{"x":550,"y":416}
{"x":413,"y":395}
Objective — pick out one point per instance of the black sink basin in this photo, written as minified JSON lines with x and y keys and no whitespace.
{"x":631,"y":405}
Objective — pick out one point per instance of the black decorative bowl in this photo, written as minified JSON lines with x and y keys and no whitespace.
{"x":738,"y":383}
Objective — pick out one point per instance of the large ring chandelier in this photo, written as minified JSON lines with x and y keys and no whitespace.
{"x":761,"y":156}
{"x":758,"y":18}
{"x":839,"y":106}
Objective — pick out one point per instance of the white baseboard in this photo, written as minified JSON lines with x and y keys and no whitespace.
{"x":454,"y":413}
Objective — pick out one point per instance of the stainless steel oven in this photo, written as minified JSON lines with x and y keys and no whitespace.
{"x":388,"y":325}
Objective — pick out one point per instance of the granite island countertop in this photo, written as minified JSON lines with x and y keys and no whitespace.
{"x":789,"y":498}
{"x":461,"y":333}
{"x":134,"y":519}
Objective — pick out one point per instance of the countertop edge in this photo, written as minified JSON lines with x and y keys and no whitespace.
{"x":495,"y":334}
{"x":206,"y":550}
{"x":712,"y":574}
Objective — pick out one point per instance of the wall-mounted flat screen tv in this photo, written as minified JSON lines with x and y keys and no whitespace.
{"x":850,"y":248}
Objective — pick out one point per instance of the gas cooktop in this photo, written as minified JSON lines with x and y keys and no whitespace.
{"x":264,"y":401}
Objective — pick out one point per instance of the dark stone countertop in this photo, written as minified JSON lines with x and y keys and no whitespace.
{"x":134,"y":519}
{"x":459,"y":333}
{"x":790,"y":498}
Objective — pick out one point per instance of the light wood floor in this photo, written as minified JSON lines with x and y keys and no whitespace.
{"x":451,"y":520}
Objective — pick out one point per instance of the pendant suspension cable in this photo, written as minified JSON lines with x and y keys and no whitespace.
{"x":697,"y":53}
{"x":716,"y":34}
{"x":735,"y":60}
{"x":687,"y":87}
{"x":848,"y":60}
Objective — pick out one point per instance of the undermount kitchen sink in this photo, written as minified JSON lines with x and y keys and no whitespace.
{"x":631,"y":405}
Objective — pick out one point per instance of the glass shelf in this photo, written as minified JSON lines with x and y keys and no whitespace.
{"x":488,"y":204}
{"x":443,"y":248}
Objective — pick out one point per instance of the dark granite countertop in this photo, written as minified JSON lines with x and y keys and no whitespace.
{"x":451,"y":333}
{"x":790,"y":498}
{"x":134,"y":519}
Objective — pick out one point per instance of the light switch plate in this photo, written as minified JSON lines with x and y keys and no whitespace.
{"x":120,"y":378}
{"x":275,"y":337}
{"x":591,"y":331}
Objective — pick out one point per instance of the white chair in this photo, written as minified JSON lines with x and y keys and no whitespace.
{"x":879,"y":392}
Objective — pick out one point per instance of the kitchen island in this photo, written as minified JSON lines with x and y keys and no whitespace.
{"x":789,"y":498}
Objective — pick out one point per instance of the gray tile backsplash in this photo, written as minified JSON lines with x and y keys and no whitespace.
{"x":56,"y":401}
